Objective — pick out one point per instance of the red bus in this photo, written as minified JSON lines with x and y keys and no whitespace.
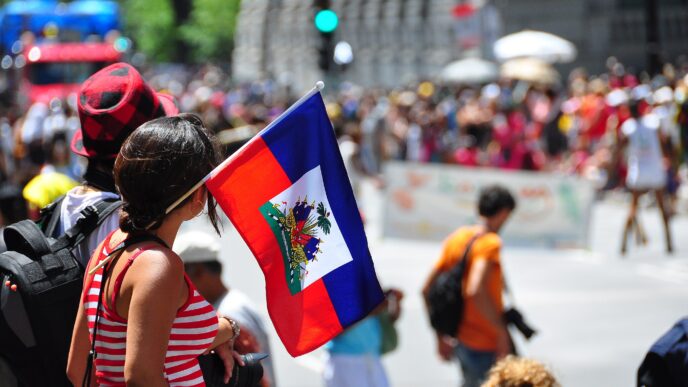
{"x":55,"y":70}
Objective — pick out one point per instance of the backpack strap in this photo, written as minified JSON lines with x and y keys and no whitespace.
{"x":91,"y":218}
{"x":26,"y":238}
{"x":460,"y":267}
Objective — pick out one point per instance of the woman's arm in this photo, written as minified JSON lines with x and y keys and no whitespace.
{"x":158,"y":289}
{"x":81,"y":342}
{"x":78,"y":350}
{"x":224,"y":333}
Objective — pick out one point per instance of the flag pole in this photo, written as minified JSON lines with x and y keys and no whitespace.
{"x":316,"y":89}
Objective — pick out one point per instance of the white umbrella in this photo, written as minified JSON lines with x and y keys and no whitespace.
{"x":535,"y":44}
{"x":469,"y":70}
{"x":530,"y":70}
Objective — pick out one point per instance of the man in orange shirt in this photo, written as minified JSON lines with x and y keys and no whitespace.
{"x":481,"y":337}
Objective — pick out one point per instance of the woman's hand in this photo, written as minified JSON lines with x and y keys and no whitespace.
{"x":228,"y":355}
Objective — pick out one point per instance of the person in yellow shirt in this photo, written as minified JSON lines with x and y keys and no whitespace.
{"x":481,"y":338}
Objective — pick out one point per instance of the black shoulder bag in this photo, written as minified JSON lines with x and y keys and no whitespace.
{"x":445,"y":296}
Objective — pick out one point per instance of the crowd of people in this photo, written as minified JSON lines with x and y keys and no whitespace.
{"x":134,"y":143}
{"x":581,"y":128}
{"x":572,"y":128}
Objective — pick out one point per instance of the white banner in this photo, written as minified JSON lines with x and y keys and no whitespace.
{"x":429,"y":201}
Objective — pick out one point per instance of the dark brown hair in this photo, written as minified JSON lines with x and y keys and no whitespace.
{"x":157,"y":164}
{"x":493,"y":199}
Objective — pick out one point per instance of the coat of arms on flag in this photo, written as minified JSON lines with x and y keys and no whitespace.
{"x":308,"y":235}
{"x":288,"y":195}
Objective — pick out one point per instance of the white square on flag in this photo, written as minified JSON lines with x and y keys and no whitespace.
{"x":307,"y":231}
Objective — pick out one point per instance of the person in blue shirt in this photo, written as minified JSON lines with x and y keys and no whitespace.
{"x":354,"y":358}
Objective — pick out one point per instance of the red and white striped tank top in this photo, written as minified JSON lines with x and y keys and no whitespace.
{"x":193,"y":330}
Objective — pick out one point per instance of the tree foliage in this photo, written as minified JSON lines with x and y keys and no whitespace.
{"x":151,"y":25}
{"x":210,"y":30}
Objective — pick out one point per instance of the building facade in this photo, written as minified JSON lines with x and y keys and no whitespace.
{"x":399,"y":41}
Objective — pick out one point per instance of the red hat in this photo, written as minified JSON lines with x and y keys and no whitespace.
{"x":111,"y":104}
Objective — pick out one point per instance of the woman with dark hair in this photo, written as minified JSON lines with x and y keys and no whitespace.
{"x":150,"y":323}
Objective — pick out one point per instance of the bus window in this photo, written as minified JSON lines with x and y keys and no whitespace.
{"x":47,"y":73}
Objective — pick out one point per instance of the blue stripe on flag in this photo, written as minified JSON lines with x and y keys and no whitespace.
{"x":301,"y":141}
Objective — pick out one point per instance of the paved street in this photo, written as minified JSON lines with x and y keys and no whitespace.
{"x":596,"y":313}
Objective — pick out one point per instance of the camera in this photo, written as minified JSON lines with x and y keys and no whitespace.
{"x":513,"y":317}
{"x":214,"y":372}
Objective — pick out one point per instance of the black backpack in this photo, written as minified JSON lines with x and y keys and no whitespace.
{"x":36,"y":319}
{"x":445,"y":296}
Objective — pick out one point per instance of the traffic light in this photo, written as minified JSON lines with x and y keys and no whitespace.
{"x":325,"y":21}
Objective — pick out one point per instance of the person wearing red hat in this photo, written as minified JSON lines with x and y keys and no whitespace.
{"x":112,"y":103}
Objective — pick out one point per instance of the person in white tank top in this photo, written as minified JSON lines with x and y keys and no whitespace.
{"x":645,"y":160}
{"x":641,"y":136}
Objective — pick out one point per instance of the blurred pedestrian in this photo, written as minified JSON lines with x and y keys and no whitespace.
{"x":646,"y":169}
{"x":12,"y":206}
{"x":354,"y":357}
{"x":666,"y":110}
{"x":481,"y":337}
{"x":200,"y":253}
{"x":44,"y":189}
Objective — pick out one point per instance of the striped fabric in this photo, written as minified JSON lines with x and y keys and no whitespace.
{"x":193,"y":330}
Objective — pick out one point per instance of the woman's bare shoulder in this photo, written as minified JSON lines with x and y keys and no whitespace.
{"x":157,"y":264}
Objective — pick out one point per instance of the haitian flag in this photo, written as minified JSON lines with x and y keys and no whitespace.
{"x":288,"y":195}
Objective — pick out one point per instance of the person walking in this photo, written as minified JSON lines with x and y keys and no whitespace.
{"x":481,"y":337}
{"x":640,"y":134}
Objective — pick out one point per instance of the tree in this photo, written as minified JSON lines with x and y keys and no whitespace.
{"x":210,"y":30}
{"x":151,"y":24}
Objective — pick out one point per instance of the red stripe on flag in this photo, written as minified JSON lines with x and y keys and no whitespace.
{"x":303,"y":321}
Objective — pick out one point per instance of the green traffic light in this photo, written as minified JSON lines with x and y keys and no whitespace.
{"x":326,"y":20}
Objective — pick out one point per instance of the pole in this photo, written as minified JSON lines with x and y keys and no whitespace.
{"x":652,"y":38}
